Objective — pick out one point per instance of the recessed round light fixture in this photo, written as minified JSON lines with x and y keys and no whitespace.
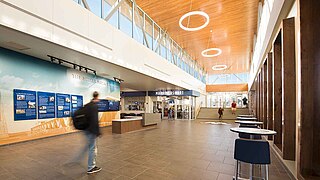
{"x":204,"y":53}
{"x":192,"y":13}
{"x":219,"y":67}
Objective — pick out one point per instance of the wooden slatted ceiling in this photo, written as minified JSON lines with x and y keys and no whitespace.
{"x":233,"y":24}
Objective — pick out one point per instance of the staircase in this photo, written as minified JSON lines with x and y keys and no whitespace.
{"x":212,"y":113}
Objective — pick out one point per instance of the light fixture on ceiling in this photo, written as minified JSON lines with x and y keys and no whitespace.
{"x":192,"y":13}
{"x":219,"y":67}
{"x":204,"y":53}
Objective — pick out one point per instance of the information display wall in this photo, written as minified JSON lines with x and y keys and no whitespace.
{"x":24,"y":104}
{"x":76,"y":102}
{"x":46,"y":105}
{"x":63,"y":102}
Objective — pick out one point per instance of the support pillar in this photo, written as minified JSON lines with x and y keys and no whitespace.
{"x":308,"y":64}
{"x":269,"y":94}
{"x":277,"y":92}
{"x":288,"y":89}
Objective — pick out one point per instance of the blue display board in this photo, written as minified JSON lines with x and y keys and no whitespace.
{"x":76,"y":102}
{"x":114,"y":105}
{"x":103,"y":105}
{"x":63,"y":102}
{"x":46,"y":105}
{"x":24,"y":104}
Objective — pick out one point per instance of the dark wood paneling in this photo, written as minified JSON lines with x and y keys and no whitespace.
{"x":288,"y":89}
{"x":261,"y":96}
{"x":269,"y":94}
{"x":265,"y":122}
{"x":277,"y":94}
{"x":258,"y":96}
{"x":309,"y":129}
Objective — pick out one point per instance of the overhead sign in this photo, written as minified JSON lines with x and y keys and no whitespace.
{"x":169,"y":93}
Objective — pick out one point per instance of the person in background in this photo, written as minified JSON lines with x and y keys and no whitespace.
{"x":234,"y":107}
{"x":220,"y":112}
{"x":91,"y":133}
{"x":245,"y":101}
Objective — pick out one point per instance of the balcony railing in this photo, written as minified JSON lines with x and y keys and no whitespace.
{"x":129,"y":18}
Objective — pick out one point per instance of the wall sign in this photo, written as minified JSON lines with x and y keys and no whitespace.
{"x":114,"y":105}
{"x":103,"y":105}
{"x":63,"y":102}
{"x":76,"y":102}
{"x":46,"y":105}
{"x":24,"y":105}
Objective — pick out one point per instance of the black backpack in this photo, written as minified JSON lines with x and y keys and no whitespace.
{"x":79,"y":118}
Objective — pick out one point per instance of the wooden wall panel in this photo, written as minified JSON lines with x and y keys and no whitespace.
{"x":269,"y":94}
{"x":261,"y":95}
{"x":277,"y":94}
{"x":309,"y":87}
{"x":264,"y":85}
{"x":288,"y":89}
{"x":258,"y":97}
{"x":227,"y":88}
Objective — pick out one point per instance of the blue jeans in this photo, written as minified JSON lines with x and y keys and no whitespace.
{"x":92,"y":153}
{"x":91,"y":147}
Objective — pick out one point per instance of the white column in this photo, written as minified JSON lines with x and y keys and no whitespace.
{"x":162,"y":108}
{"x":175,"y":108}
{"x":190,"y":105}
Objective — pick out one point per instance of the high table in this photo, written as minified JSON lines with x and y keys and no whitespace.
{"x":252,"y":132}
{"x":245,"y":115}
{"x":249,"y":122}
{"x":247,"y":118}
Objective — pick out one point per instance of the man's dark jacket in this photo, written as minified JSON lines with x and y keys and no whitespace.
{"x":92,"y":117}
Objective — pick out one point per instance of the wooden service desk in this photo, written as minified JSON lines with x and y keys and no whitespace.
{"x":120,"y":126}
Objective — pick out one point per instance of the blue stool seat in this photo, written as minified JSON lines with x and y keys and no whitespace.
{"x":253,"y":152}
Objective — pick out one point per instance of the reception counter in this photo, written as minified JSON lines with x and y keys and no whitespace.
{"x":147,"y":121}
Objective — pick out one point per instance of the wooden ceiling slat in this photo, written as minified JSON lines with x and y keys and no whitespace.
{"x":233,"y":23}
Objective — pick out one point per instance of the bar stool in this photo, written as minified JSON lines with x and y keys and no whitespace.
{"x":253,"y":152}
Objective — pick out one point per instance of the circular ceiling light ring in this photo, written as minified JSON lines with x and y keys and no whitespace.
{"x":204,"y":53}
{"x":192,"y":13}
{"x":219,"y":67}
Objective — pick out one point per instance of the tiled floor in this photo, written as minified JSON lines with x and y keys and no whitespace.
{"x":175,"y":150}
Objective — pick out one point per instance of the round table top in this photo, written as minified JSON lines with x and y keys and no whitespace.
{"x":245,"y":115}
{"x":249,"y":122}
{"x":253,"y":131}
{"x":246,"y":118}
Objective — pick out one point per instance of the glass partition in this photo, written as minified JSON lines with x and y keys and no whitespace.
{"x":107,"y":6}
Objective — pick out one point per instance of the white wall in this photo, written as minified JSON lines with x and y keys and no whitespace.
{"x":66,"y":23}
{"x":270,"y":13}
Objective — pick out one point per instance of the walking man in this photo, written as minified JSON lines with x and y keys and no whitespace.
{"x":91,"y":132}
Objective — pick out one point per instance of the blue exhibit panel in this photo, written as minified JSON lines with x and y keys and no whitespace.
{"x":46,"y":105}
{"x":63,"y":103}
{"x":24,"y":104}
{"x":76,"y":102}
{"x":114,"y":105}
{"x":103,"y":105}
